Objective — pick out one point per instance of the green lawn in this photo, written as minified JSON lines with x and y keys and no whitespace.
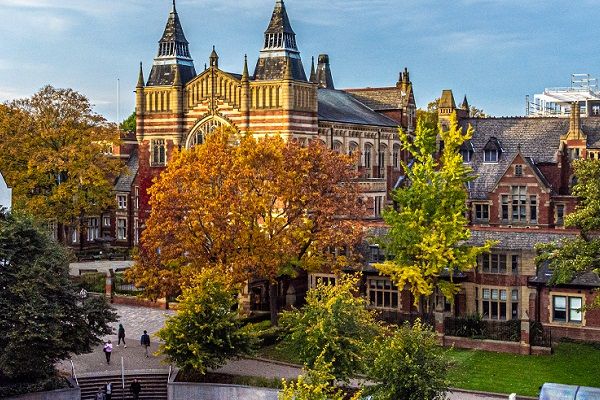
{"x":571,"y":363}
{"x":574,"y":364}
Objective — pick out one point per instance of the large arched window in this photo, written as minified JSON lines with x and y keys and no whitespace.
{"x":352,"y":148}
{"x":338,"y":147}
{"x":203,"y":128}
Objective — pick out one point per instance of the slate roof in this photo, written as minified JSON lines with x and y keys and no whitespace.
{"x":544,"y":273}
{"x":516,"y":240}
{"x":447,"y":100}
{"x":125,"y":180}
{"x":380,"y":99}
{"x":339,"y":106}
{"x":280,"y":22}
{"x":538,"y":138}
{"x":162,"y":75}
{"x":274,"y":68}
{"x":173,"y":29}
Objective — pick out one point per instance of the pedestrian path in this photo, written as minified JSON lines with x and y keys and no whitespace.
{"x":137,"y":319}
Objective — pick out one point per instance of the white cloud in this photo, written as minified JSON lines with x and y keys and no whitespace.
{"x":471,"y":41}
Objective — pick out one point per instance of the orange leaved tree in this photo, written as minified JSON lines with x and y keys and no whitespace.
{"x":253,"y":208}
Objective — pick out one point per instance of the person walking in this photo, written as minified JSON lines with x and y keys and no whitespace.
{"x":108,"y":351}
{"x":121,"y":336}
{"x":100,"y":395}
{"x":135,"y":388}
{"x":145,"y":341}
{"x":108,"y":390}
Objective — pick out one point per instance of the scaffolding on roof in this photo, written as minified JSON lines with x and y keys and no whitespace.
{"x":557,"y":101}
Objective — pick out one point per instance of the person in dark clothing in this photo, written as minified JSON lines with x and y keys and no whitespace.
{"x":108,"y":390}
{"x":135,"y":388}
{"x":145,"y":341}
{"x":100,"y":395}
{"x":121,"y":336}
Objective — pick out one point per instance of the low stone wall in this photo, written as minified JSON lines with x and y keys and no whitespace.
{"x":61,"y":394}
{"x":77,"y":268}
{"x":215,"y":391}
{"x":479,"y":344}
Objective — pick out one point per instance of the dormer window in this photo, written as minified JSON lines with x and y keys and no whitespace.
{"x":490,"y":156}
{"x":466,"y":151}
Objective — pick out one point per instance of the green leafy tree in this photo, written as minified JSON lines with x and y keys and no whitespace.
{"x":428,"y":230}
{"x":316,"y":384}
{"x":409,"y":365}
{"x":334,"y":326}
{"x":53,"y":153}
{"x":206,"y":331}
{"x":129,"y":124}
{"x":429,"y":116}
{"x":43,"y":319}
{"x":574,"y":257}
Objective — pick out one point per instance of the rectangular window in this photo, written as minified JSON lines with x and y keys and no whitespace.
{"x":122,"y":202}
{"x":323,"y":279}
{"x":518,"y":170}
{"x":519,"y":204}
{"x":504,"y":207}
{"x":559,"y":308}
{"x":560,"y":214}
{"x":574,"y":309}
{"x":74,"y":235}
{"x":495,"y":303}
{"x":466,"y":155}
{"x":137,"y":197}
{"x":482,"y":212}
{"x":382,"y":293}
{"x":494,"y":263}
{"x":378,"y":206}
{"x":93,"y":229}
{"x":490,"y":156}
{"x":136,"y":231}
{"x":53,"y":229}
{"x":533,"y":208}
{"x":515,"y":304}
{"x":121,"y":229}
{"x":515,"y":264}
{"x":106,"y":220}
{"x":158,"y":152}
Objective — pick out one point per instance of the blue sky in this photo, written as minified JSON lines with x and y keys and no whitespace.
{"x":495,"y":51}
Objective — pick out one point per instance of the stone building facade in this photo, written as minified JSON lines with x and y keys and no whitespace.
{"x":519,"y":198}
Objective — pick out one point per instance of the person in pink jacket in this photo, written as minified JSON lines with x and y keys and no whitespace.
{"x":108,"y":350}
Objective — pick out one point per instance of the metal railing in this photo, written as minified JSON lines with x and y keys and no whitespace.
{"x":73,"y":374}
{"x":474,"y":328}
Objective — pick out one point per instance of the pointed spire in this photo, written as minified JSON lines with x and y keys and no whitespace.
{"x":177,"y":78}
{"x":173,"y":49}
{"x":140,"y":82}
{"x":214,"y":58}
{"x":465,"y":104}
{"x":279,"y":43}
{"x":245,"y":75}
{"x":313,"y":74}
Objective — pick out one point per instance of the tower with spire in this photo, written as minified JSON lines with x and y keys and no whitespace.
{"x":173,"y":53}
{"x":279,"y":46}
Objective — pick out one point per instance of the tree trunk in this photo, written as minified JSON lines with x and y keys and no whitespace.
{"x":274,"y":302}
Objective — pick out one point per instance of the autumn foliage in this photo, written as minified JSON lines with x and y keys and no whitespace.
{"x":249,"y":208}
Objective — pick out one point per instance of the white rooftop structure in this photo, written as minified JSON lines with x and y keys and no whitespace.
{"x":5,"y":194}
{"x":557,"y":101}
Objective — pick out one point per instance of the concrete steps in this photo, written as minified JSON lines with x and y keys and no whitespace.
{"x":153,"y":382}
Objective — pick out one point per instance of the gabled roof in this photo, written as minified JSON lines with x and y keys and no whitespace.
{"x":125,"y":180}
{"x":339,"y":106}
{"x":537,"y":138}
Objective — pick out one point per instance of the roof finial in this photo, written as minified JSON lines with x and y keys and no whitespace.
{"x":245,"y":72}
{"x":174,"y":9}
{"x":313,"y":73}
{"x":140,"y":83}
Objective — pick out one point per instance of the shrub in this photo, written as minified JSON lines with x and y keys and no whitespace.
{"x":206,"y":331}
{"x":409,"y":365}
{"x":334,"y":325}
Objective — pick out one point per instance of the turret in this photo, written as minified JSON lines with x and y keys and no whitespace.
{"x":279,"y":47}
{"x":214,"y":58}
{"x":173,"y":49}
{"x":324,"y":78}
{"x":139,"y":104}
{"x":245,"y":95}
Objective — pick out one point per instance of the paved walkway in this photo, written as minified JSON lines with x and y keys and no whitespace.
{"x":137,"y":319}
